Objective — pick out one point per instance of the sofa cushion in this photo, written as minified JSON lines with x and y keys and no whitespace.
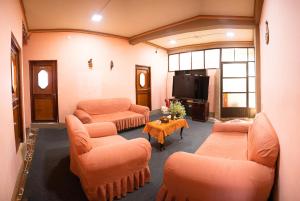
{"x":115,"y":116}
{"x":105,"y":106}
{"x":83,"y":116}
{"x":263,"y":146}
{"x":225,"y":145}
{"x":102,"y":141}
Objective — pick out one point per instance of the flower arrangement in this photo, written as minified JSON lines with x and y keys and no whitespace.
{"x":177,"y":109}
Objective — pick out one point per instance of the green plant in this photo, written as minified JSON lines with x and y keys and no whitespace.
{"x":177,"y":109}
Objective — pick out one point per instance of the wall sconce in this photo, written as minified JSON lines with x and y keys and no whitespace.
{"x":111,"y":65}
{"x":267,"y":34}
{"x":90,"y":62}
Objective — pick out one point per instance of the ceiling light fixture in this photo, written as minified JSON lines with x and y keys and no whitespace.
{"x":230,"y":34}
{"x":96,"y":17}
{"x":173,"y":42}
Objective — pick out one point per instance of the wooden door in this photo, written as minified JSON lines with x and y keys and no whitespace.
{"x":43,"y":79}
{"x":16,"y":92}
{"x":143,"y":85}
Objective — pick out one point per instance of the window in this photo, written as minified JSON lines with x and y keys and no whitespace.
{"x":198,"y":60}
{"x":185,"y":61}
{"x":173,"y":62}
{"x":228,"y":54}
{"x":240,"y":54}
{"x":212,"y":58}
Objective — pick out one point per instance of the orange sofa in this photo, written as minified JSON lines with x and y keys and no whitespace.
{"x":117,"y":110}
{"x":107,"y":164}
{"x":236,"y":162}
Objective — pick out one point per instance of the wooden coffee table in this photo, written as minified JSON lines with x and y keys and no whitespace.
{"x":161,"y":131}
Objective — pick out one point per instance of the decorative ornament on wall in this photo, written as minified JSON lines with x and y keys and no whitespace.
{"x":267,"y":34}
{"x":90,"y":62}
{"x":111,"y":65}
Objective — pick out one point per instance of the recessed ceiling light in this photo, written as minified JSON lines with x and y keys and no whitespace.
{"x":230,"y":34}
{"x":173,"y":42}
{"x":96,"y":17}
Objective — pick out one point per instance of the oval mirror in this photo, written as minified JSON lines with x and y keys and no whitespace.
{"x":43,"y":79}
{"x":142,"y":79}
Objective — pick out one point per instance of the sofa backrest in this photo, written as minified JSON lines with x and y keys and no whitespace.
{"x":263,"y":145}
{"x":78,"y":135}
{"x":104,"y":106}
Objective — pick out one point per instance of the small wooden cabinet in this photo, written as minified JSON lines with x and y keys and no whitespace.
{"x":200,"y":111}
{"x":197,"y":110}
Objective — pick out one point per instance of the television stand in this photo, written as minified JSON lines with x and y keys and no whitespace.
{"x":196,"y":109}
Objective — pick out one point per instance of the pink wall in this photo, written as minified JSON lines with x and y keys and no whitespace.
{"x":280,"y":93}
{"x":77,"y":82}
{"x":10,"y":161}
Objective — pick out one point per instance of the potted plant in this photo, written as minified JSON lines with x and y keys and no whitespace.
{"x":177,"y":109}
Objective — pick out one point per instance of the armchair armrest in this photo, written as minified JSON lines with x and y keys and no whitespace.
{"x":231,"y":127}
{"x":116,"y":160}
{"x":141,"y":110}
{"x":83,"y":116}
{"x":210,"y":178}
{"x":101,"y":129}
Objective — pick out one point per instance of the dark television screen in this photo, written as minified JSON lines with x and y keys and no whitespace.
{"x":190,"y":86}
{"x":184,"y":86}
{"x":201,"y":83}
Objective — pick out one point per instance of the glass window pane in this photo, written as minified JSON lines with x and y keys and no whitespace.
{"x":251,"y":69}
{"x":235,"y":70}
{"x":241,"y":54}
{"x":234,"y":100}
{"x":252,"y":100}
{"x":185,"y":61}
{"x":173,"y":62}
{"x":43,"y":79}
{"x":212,"y":58}
{"x":228,"y":54}
{"x":251,"y":84}
{"x":198,"y":60}
{"x":251,"y":55}
{"x":235,"y":85}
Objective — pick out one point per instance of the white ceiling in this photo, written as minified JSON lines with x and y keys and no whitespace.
{"x":207,"y":36}
{"x":126,"y":17}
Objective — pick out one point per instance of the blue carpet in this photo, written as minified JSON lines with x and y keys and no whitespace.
{"x":50,"y":179}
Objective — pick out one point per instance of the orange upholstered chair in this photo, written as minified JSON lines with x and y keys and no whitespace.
{"x":117,"y":110}
{"x":236,"y":162}
{"x":107,"y":164}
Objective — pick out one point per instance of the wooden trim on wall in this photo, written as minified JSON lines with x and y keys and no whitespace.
{"x":258,"y":69}
{"x":78,"y":31}
{"x":157,"y":46}
{"x":24,"y":14}
{"x":257,"y":10}
{"x":221,"y":44}
{"x":197,"y":23}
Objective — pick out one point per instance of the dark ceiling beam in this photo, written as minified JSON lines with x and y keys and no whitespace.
{"x":197,"y":23}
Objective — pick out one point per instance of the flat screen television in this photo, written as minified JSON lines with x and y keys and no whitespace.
{"x":190,"y":86}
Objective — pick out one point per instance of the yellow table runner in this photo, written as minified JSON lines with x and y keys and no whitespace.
{"x":159,"y":131}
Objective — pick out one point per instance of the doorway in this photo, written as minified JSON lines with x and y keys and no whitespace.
{"x":43,"y":90}
{"x":238,"y":89}
{"x":16,"y":92}
{"x":143,"y":85}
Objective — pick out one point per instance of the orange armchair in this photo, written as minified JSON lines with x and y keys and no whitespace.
{"x":107,"y":164}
